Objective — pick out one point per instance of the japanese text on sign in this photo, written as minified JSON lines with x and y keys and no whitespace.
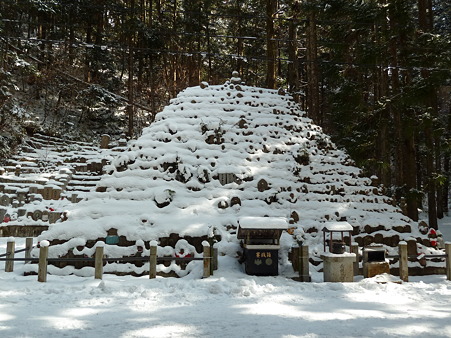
{"x":259,"y":254}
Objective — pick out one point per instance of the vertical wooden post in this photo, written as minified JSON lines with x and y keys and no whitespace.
{"x":98,"y":265}
{"x":28,"y":247}
{"x":42,"y":268}
{"x":10,"y":247}
{"x":215,"y":258}
{"x":448,"y":260}
{"x":403,"y":262}
{"x":303,"y":262}
{"x":207,"y":259}
{"x":211,"y":242}
{"x":355,"y":250}
{"x":153,"y":260}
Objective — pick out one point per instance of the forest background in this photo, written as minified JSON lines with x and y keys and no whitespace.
{"x":375,"y":74}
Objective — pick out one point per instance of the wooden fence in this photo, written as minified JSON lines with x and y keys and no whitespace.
{"x":404,"y":258}
{"x":210,"y":259}
{"x":302,"y":261}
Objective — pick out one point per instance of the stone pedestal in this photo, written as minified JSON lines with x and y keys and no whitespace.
{"x":2,"y":214}
{"x":338,"y":267}
{"x":5,"y":200}
{"x":56,"y":193}
{"x":74,"y":198}
{"x":47,"y":193}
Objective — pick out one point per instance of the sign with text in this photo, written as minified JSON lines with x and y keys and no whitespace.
{"x":261,"y":262}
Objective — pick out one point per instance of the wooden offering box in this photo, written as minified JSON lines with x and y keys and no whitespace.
{"x":260,"y":239}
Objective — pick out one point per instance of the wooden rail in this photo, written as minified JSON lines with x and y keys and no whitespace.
{"x":99,"y":259}
{"x":303,"y":256}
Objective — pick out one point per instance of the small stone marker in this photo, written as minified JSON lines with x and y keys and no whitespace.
{"x":47,"y":193}
{"x":37,"y":215}
{"x":56,"y":194}
{"x":73,"y":198}
{"x":21,"y":196}
{"x":2,"y":214}
{"x":45,"y":215}
{"x":5,"y":200}
{"x":262,"y":185}
{"x":54,"y":216}
{"x":226,"y":178}
{"x":105,"y":141}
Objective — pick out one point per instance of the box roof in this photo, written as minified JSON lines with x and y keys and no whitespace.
{"x":266,"y":223}
{"x":337,"y":226}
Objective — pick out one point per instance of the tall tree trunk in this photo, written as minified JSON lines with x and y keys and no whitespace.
{"x":130,"y":107}
{"x":447,"y":165}
{"x":174,"y":58}
{"x":393,"y":45}
{"x":381,"y":92}
{"x":313,"y":106}
{"x":431,"y":189}
{"x":71,"y":37}
{"x":426,"y":25}
{"x":425,"y":15}
{"x":271,"y":44}
{"x":239,"y":43}
{"x":410,"y":173}
{"x":87,"y":58}
{"x":439,"y":187}
{"x":383,"y":151}
{"x":293,"y":66}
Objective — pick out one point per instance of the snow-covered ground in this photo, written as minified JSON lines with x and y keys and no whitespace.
{"x":228,"y":304}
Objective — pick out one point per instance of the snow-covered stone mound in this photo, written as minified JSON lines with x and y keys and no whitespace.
{"x":218,"y":153}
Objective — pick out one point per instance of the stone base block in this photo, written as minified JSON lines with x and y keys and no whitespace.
{"x":338,"y":267}
{"x":371,"y":269}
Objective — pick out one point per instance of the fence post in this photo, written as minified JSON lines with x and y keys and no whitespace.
{"x":355,"y":250}
{"x":215,"y":258}
{"x":28,"y":247}
{"x":207,"y":259}
{"x":98,"y":264}
{"x":403,"y":262}
{"x":43,"y":254}
{"x":303,"y":263}
{"x":448,"y":260}
{"x":153,"y":260}
{"x":10,"y":247}
{"x":211,"y":242}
